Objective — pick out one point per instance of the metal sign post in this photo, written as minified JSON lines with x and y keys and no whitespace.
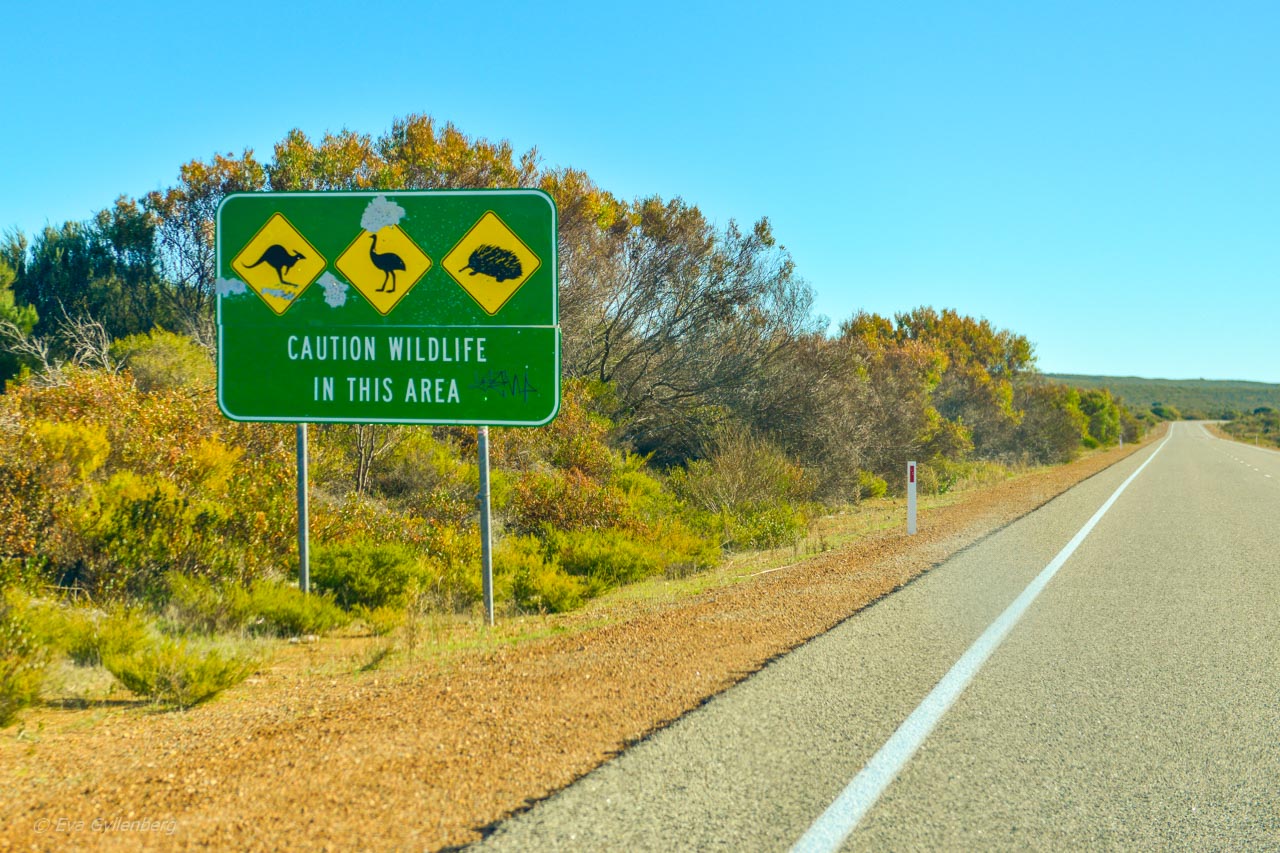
{"x":486,"y":539}
{"x":911,"y":498}
{"x":304,"y":539}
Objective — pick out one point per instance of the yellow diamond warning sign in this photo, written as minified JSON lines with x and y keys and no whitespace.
{"x":278,"y":263}
{"x":383,"y":266}
{"x":491,"y":263}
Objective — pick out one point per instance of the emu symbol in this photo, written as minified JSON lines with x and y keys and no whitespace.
{"x":388,"y":262}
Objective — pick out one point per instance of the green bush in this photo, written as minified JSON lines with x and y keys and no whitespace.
{"x":134,"y":529}
{"x":536,"y":584}
{"x":871,"y":486}
{"x":755,"y":492}
{"x":609,"y":557}
{"x":369,"y":575}
{"x":927,"y":480}
{"x":77,"y":449}
{"x":88,"y":635}
{"x":684,"y":549}
{"x":286,"y":611}
{"x":547,"y":589}
{"x":108,"y":488}
{"x":742,"y":470}
{"x":19,"y":574}
{"x":22,"y":661}
{"x":768,"y":526}
{"x":264,"y":608}
{"x":967,"y":474}
{"x":381,"y":621}
{"x":181,"y":673}
{"x":421,"y":466}
{"x":198,"y":604}
{"x":161,"y":360}
{"x":564,"y":500}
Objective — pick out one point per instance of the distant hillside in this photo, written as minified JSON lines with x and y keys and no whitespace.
{"x":1209,"y":397}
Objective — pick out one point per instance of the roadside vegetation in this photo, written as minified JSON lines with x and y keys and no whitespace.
{"x":1192,"y":399}
{"x":706,"y":410}
{"x":1260,"y":427}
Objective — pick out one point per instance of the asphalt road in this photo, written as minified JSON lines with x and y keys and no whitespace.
{"x":1134,"y":705}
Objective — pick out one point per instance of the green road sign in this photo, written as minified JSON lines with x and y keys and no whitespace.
{"x":396,"y":307}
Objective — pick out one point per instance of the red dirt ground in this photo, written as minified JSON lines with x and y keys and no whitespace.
{"x":310,"y":756}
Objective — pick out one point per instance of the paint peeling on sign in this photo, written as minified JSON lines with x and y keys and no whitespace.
{"x":380,"y":213}
{"x":335,"y":290}
{"x":230,"y":287}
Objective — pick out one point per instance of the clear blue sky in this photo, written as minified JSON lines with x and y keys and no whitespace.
{"x":1102,"y":177}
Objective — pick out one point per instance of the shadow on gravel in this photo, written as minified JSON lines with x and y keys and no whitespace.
{"x":72,"y":704}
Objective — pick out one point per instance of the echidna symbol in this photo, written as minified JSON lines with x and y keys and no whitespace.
{"x":497,"y":263}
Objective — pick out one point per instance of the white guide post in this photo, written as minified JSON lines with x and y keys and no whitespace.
{"x":911,"y":498}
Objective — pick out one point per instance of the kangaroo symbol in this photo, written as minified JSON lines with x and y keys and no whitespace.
{"x":388,"y":262}
{"x":279,"y":259}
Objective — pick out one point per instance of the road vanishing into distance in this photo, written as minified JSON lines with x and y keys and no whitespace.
{"x":1102,"y":674}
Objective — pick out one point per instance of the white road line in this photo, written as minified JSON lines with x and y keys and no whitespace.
{"x":831,"y":829}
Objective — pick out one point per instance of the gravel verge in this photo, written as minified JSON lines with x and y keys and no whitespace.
{"x":308,"y":756}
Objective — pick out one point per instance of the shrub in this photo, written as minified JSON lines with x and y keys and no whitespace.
{"x":453,"y":567}
{"x":564,"y":500}
{"x":89,"y":635}
{"x":686,"y":550}
{"x":133,"y":529}
{"x":286,"y":611}
{"x":421,"y":467}
{"x":381,"y":621}
{"x":768,"y":526}
{"x":109,"y":488}
{"x":871,"y":486}
{"x":969,"y":474}
{"x":19,"y":573}
{"x":1103,"y":413}
{"x":609,"y":557}
{"x":369,"y":575}
{"x":577,"y":439}
{"x":265,"y":607}
{"x":742,"y":470}
{"x":1053,"y":428}
{"x":79,"y":449}
{"x":181,"y":673}
{"x":536,"y":584}
{"x":751,"y":486}
{"x":546,"y":589}
{"x":927,"y":482}
{"x":22,"y":662}
{"x":200,"y":605}
{"x":161,"y":361}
